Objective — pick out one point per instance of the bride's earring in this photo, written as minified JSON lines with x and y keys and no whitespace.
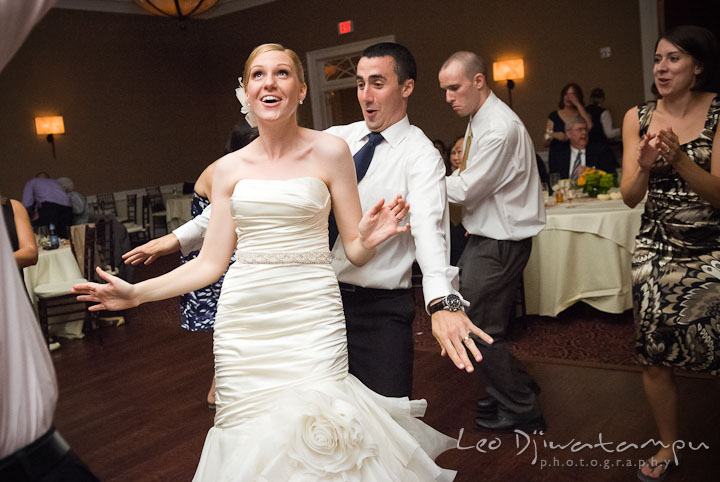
{"x":301,"y":101}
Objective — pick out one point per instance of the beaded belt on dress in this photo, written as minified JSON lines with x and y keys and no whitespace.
{"x":320,"y":256}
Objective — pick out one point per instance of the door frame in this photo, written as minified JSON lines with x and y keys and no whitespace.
{"x":318,"y":85}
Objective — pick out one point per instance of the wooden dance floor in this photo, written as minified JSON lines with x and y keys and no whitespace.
{"x":134,"y":409}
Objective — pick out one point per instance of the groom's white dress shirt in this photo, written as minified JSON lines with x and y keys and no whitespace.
{"x":406,"y":162}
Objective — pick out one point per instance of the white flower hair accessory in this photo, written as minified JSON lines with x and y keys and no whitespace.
{"x":249,"y":116}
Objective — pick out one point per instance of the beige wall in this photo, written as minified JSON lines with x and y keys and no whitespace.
{"x":146,"y":103}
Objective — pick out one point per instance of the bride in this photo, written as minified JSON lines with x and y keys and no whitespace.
{"x":287,"y":409}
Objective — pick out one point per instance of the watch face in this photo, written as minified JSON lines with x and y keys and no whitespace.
{"x":453,"y":302}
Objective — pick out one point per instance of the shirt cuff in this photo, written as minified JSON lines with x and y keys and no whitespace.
{"x":190,"y":236}
{"x":437,"y":288}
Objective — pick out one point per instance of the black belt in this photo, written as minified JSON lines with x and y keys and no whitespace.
{"x":35,"y":460}
{"x":360,"y":289}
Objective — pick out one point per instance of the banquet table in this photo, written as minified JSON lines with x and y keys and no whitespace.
{"x":178,"y":211}
{"x":54,"y":266}
{"x":583,"y":254}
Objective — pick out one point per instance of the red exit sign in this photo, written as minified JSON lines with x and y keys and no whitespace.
{"x":345,"y":27}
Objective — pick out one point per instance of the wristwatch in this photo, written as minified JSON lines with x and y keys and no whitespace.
{"x":451,"y":303}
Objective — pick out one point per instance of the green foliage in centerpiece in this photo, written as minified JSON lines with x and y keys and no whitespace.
{"x":595,"y":181}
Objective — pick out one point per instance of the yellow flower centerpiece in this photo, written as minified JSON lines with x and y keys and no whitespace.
{"x":596,"y":181}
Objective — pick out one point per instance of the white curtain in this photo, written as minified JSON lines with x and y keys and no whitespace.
{"x":28,"y":389}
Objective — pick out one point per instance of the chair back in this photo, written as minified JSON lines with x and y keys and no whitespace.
{"x":145,"y":212}
{"x":132,"y":208}
{"x":104,"y":241}
{"x":106,"y":201}
{"x":89,"y":253}
{"x":155,"y":198}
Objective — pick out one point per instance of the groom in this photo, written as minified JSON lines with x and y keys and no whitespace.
{"x":377,"y":298}
{"x":391,"y":157}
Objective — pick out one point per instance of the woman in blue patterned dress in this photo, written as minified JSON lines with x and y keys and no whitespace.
{"x":672,"y":154}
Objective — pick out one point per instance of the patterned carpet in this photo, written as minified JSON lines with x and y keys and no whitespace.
{"x":580,"y":335}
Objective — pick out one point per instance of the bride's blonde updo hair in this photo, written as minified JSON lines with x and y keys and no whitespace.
{"x":261,"y":49}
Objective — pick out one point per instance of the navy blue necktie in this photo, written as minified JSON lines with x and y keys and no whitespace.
{"x":362,"y":160}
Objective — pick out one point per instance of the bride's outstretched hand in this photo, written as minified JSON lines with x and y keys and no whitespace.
{"x":114,"y":295}
{"x":381,"y":221}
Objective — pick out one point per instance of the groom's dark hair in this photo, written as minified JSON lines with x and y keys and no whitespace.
{"x":405,"y":67}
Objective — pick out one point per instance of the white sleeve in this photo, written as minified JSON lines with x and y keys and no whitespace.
{"x":606,"y":121}
{"x":17,"y":18}
{"x":192,"y":234}
{"x":488,"y":169}
{"x":430,"y":223}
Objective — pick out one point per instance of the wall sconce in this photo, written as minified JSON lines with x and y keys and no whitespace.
{"x":509,"y":70}
{"x":50,"y":125}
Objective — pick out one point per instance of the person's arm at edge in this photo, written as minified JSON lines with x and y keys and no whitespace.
{"x":27,"y":253}
{"x":634,"y":183}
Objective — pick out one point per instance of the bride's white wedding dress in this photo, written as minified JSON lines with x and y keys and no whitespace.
{"x":287,"y":409}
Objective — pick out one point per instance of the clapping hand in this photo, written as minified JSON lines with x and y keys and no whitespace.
{"x":114,"y":295}
{"x":648,"y":151}
{"x":667,"y":142}
{"x":381,"y":222}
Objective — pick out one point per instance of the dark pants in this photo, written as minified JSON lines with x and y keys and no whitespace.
{"x":380,"y":341}
{"x":458,"y":241}
{"x":57,"y":214}
{"x":48,"y":459}
{"x":490,"y":274}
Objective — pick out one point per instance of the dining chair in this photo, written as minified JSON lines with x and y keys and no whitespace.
{"x":106,"y":201}
{"x":105,"y":246}
{"x":56,"y":305}
{"x":136,"y":232}
{"x":158,"y":213}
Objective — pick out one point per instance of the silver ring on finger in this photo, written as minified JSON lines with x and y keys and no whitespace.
{"x":467,"y":338}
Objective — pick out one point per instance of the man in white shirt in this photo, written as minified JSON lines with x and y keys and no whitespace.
{"x":378,"y":304}
{"x":30,"y":447}
{"x":499,"y":191}
{"x":377,"y":299}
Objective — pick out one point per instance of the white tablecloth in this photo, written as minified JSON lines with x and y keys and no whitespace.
{"x":178,"y":211}
{"x":583,"y":254}
{"x":52,"y":266}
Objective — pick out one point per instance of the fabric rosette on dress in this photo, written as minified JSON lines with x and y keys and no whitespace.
{"x":336,"y":432}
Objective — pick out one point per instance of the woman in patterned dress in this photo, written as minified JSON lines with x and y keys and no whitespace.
{"x":672,"y":153}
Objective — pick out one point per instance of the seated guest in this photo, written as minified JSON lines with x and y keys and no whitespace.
{"x":19,"y":229}
{"x":571,"y":105}
{"x":48,"y":203}
{"x":78,"y":202}
{"x":455,"y":156}
{"x":579,"y":152}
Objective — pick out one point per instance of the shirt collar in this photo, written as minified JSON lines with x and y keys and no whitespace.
{"x":477,"y":119}
{"x":394,"y":134}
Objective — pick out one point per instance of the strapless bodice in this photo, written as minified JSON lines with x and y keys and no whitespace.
{"x":283,"y":215}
